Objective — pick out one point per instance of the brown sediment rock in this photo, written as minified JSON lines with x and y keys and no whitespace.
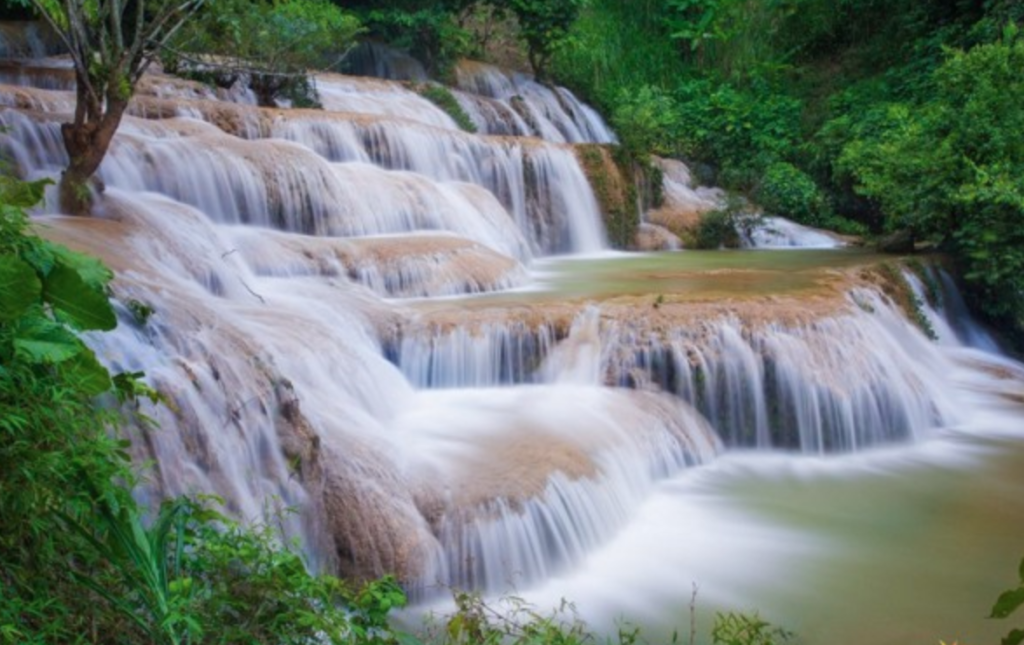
{"x":683,"y":203}
{"x":804,"y":298}
{"x":416,"y":265}
{"x":652,"y":237}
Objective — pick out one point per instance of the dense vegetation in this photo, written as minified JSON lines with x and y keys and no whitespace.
{"x":861,"y":115}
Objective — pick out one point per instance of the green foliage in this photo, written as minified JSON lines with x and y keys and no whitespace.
{"x":1009,"y":602}
{"x":544,"y":27}
{"x":787,"y":191}
{"x":429,"y":31}
{"x":951,"y":169}
{"x":726,"y":227}
{"x":646,"y":120}
{"x":442,"y":97}
{"x":50,"y":430}
{"x":743,"y":629}
{"x":742,"y":130}
{"x":141,"y":311}
{"x":270,"y":43}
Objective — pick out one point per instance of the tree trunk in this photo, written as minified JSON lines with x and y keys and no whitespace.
{"x":86,"y":143}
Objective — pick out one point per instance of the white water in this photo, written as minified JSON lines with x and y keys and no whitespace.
{"x":575,"y":460}
{"x":501,"y":102}
{"x":781,"y":233}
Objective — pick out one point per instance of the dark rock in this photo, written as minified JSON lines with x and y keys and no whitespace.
{"x":901,"y":241}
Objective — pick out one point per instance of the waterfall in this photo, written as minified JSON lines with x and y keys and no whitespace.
{"x":837,"y":384}
{"x":350,"y":318}
{"x":779,"y":232}
{"x":491,"y":96}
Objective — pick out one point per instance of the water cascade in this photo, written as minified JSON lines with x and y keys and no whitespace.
{"x":355,"y":314}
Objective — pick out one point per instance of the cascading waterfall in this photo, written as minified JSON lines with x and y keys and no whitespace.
{"x":838,"y":384}
{"x":345,"y":321}
{"x":491,"y":96}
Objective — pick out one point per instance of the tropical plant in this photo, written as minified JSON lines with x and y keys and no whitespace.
{"x":50,"y":427}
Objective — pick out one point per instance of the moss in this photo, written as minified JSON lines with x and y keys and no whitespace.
{"x":442,"y":97}
{"x":141,"y":311}
{"x":612,"y":178}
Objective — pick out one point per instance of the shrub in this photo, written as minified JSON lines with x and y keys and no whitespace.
{"x":952,"y":169}
{"x":646,"y":120}
{"x":787,"y":191}
{"x":743,"y":629}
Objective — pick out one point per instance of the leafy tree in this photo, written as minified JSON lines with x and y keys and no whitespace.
{"x":269,"y":43}
{"x":952,"y":169}
{"x":111,"y":43}
{"x":544,"y":26}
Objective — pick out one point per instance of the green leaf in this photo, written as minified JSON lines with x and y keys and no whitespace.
{"x":40,"y":340}
{"x":76,"y":302}
{"x":23,"y":194}
{"x":19,"y":287}
{"x":1014,"y":638}
{"x":92,"y":271}
{"x":86,"y":373}
{"x":1008,"y":603}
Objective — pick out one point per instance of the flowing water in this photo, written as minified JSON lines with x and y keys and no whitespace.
{"x":418,"y":338}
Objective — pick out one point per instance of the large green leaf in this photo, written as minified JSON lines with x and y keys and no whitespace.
{"x":86,"y":373}
{"x":1008,"y":603}
{"x":19,"y":287}
{"x":75,"y":302}
{"x":1014,"y":638}
{"x":92,"y":271}
{"x":40,"y":340}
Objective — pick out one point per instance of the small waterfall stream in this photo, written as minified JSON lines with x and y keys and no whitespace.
{"x":354,"y":316}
